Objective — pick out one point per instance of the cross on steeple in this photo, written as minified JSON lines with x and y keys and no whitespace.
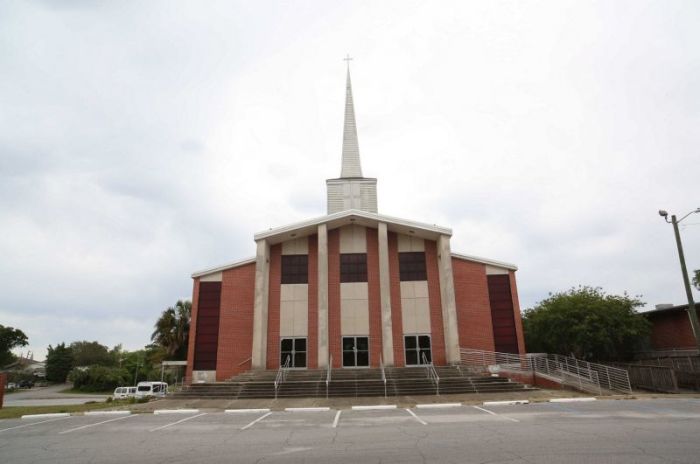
{"x":348,"y":59}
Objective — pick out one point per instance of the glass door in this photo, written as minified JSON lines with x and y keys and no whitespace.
{"x":415,"y":348}
{"x":355,"y":352}
{"x":295,"y":350}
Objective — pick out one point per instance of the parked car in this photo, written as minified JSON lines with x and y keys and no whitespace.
{"x":124,"y":392}
{"x":26,"y":384}
{"x":154,"y":389}
{"x":11,"y":386}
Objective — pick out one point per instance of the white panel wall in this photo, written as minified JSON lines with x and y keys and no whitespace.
{"x":354,"y":308}
{"x":415,"y":307}
{"x":353,"y":239}
{"x":299,"y":246}
{"x":294,"y":310}
{"x":410,"y":243}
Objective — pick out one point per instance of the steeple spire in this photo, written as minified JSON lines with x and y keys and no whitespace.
{"x":351,"y":148}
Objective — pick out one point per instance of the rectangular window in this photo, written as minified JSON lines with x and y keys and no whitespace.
{"x":293,"y":352}
{"x":353,"y":267}
{"x":412,"y":266}
{"x":417,"y":350}
{"x":295,"y":269}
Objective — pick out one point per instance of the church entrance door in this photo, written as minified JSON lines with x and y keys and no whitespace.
{"x":355,"y":352}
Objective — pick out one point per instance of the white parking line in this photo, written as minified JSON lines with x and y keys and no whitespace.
{"x":572,"y":400}
{"x":35,"y":423}
{"x":94,"y":425}
{"x":316,"y":409}
{"x":177,"y":422}
{"x":256,"y":420}
{"x":438,"y":405}
{"x":497,"y":415}
{"x":374,"y":407}
{"x":416,"y":417}
{"x":337,"y":418}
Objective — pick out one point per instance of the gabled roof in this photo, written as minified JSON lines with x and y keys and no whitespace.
{"x":352,"y":216}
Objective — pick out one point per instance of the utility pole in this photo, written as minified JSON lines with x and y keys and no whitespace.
{"x":692,"y":313}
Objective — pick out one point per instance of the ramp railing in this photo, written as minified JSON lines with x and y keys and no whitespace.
{"x":328,"y":374}
{"x":381,"y":366}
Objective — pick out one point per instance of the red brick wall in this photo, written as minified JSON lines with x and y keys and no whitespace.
{"x":395,"y":291}
{"x":671,"y":330}
{"x":437,"y":329}
{"x":273,"y":307}
{"x":334,"y":297}
{"x":375,"y":307}
{"x":312,"y":340}
{"x":473,"y":307}
{"x":516,"y":313}
{"x":236,"y":321}
{"x":192,"y":335}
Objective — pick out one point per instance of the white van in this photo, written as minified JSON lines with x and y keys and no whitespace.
{"x":124,"y":392}
{"x":144,"y":389}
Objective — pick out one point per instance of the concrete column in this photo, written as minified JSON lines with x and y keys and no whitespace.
{"x":447,"y":295}
{"x":262,"y":283}
{"x":385,"y":295}
{"x":322,"y":296}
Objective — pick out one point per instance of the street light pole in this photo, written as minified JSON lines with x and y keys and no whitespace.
{"x":692,"y":313}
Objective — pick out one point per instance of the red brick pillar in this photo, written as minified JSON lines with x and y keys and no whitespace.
{"x":3,"y":382}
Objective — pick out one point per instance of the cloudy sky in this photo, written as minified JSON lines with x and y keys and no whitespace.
{"x":141,"y":141}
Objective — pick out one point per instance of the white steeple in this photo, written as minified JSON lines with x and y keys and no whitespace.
{"x":351,"y":190}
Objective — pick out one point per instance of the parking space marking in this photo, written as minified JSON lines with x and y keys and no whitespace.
{"x":95,"y":424}
{"x":416,"y":417}
{"x":494,"y":414}
{"x":35,"y":423}
{"x":178,"y":422}
{"x":337,"y":418}
{"x":256,"y":420}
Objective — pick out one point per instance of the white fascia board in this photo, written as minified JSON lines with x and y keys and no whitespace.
{"x":490,"y":262}
{"x":350,"y":213}
{"x":224,"y":267}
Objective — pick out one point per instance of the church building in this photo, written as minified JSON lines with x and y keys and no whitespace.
{"x":353,"y":288}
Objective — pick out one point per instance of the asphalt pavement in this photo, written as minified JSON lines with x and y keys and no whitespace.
{"x":49,"y":396}
{"x":602,"y":431}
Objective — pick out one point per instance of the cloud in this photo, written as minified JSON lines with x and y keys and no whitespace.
{"x":140,"y":142}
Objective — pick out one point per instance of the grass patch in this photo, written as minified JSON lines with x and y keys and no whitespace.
{"x":12,"y":412}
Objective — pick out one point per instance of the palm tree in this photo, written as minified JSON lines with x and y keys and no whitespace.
{"x":172,"y":330}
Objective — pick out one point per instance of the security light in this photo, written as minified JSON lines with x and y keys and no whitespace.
{"x":663,"y":213}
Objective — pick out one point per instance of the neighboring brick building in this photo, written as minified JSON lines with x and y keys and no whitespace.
{"x":355,"y":287}
{"x":670,"y":328}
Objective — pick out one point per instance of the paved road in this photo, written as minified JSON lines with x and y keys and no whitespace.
{"x":630,"y":431}
{"x":49,"y":396}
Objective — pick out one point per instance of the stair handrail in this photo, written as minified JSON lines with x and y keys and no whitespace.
{"x":432,"y":373}
{"x":381,"y":366}
{"x":244,"y":361}
{"x":282,"y":373}
{"x":328,"y":374}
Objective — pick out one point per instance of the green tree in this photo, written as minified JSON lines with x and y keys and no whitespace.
{"x":587,"y":322}
{"x":99,"y":378}
{"x":172,"y":330}
{"x":10,"y":338}
{"x":90,"y":354}
{"x":59,"y":362}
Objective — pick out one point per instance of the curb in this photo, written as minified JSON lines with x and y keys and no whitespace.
{"x":505,"y":403}
{"x":107,"y":413}
{"x":175,"y":411}
{"x":438,"y":405}
{"x":46,"y":416}
{"x":374,"y":407}
{"x":317,"y":409}
{"x":242,"y":411}
{"x":572,"y":400}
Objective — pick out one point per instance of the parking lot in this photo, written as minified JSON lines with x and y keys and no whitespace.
{"x":624,"y":431}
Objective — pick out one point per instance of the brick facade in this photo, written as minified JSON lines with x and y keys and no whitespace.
{"x":236,"y":321}
{"x":193,"y":332}
{"x":671,"y":330}
{"x":473,"y":306}
{"x":334,"y":297}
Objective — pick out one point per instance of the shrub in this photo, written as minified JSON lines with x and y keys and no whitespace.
{"x":98,"y":378}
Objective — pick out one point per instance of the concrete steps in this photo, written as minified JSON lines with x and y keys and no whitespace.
{"x":311,"y":383}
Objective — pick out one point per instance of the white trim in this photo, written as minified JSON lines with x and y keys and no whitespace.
{"x":348,"y":214}
{"x":374,"y":407}
{"x":438,"y":405}
{"x":572,"y":400}
{"x":46,"y":416}
{"x":490,"y":262}
{"x":316,"y":409}
{"x":175,"y":411}
{"x":223,"y":267}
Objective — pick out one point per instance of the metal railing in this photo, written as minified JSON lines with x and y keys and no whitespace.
{"x":282,"y":374}
{"x":328,"y":374}
{"x":381,"y":367}
{"x":432,"y":373}
{"x":570,"y":371}
{"x":648,"y":377}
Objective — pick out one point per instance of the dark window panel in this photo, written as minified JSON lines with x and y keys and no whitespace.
{"x":353,"y":267}
{"x":412,"y":266}
{"x":295,"y":269}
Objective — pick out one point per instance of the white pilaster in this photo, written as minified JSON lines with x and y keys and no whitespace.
{"x":385,"y":295}
{"x":262,"y":281}
{"x":322,"y":296}
{"x":447,"y":295}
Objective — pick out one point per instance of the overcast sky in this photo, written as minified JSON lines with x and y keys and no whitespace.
{"x":141,"y":141}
